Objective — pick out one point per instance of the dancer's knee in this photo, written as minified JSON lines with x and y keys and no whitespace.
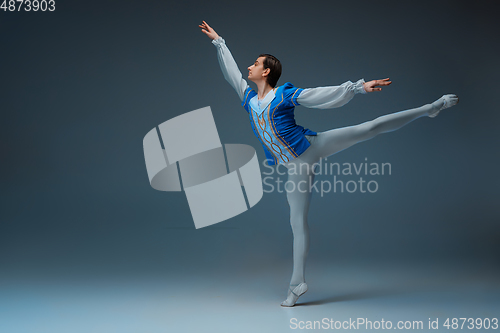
{"x":298,"y":223}
{"x":368,"y":129}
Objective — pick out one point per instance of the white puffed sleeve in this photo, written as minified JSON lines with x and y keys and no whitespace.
{"x":330,"y":97}
{"x":229,"y":68}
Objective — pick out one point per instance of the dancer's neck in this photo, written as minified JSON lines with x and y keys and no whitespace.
{"x":263,"y":89}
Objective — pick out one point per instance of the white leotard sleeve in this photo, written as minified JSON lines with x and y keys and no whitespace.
{"x":229,"y":67}
{"x":330,"y":97}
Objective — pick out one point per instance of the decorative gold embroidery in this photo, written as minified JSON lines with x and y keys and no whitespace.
{"x":270,"y":145}
{"x":294,"y":95}
{"x":258,"y":133}
{"x":248,"y":93}
{"x":267,"y":137}
{"x":273,"y":127}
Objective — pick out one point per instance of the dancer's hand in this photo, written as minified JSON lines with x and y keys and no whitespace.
{"x":207,"y":30}
{"x":371,"y":85}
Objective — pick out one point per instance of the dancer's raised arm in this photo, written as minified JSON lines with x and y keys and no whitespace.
{"x":227,"y":64}
{"x":337,"y":96}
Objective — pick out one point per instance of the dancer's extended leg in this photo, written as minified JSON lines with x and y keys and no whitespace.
{"x":335,"y":140}
{"x":300,"y":176}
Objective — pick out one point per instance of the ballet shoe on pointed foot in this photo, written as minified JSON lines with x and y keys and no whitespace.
{"x":294,"y":295}
{"x":446,"y":101}
{"x":291,"y":288}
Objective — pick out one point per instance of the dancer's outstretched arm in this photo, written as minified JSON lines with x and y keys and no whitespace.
{"x":227,"y":64}
{"x":337,"y":96}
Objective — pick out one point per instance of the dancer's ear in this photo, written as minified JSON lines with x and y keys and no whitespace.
{"x":266,"y":72}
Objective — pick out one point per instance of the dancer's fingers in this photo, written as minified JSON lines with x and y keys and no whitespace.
{"x":383,"y":82}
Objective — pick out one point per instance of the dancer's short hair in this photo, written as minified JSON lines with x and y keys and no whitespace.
{"x":274,"y":65}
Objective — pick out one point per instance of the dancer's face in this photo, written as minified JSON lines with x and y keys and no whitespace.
{"x":256,"y":72}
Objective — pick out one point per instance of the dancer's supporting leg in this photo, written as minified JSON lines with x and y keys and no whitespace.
{"x":300,"y":176}
{"x":335,"y":140}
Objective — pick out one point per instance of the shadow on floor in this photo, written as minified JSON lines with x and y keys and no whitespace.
{"x":353,"y":297}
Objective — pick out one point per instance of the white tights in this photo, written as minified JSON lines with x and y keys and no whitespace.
{"x":300,"y":171}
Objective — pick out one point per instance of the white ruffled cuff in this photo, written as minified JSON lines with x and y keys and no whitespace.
{"x":359,"y":88}
{"x":218,"y":41}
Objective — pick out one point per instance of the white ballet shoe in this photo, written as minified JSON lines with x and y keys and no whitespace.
{"x":294,"y":295}
{"x":291,"y":288}
{"x":446,"y":101}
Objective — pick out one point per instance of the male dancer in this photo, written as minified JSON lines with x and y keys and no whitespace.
{"x":270,"y":110}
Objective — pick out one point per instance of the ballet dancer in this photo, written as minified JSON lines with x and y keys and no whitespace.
{"x":271,"y":113}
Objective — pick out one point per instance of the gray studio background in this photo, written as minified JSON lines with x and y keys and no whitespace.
{"x":80,"y":87}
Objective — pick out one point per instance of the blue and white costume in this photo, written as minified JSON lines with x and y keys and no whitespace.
{"x":298,"y":149}
{"x":272,"y":118}
{"x":274,"y":125}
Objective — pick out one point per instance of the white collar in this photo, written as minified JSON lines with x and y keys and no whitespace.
{"x":254,"y":102}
